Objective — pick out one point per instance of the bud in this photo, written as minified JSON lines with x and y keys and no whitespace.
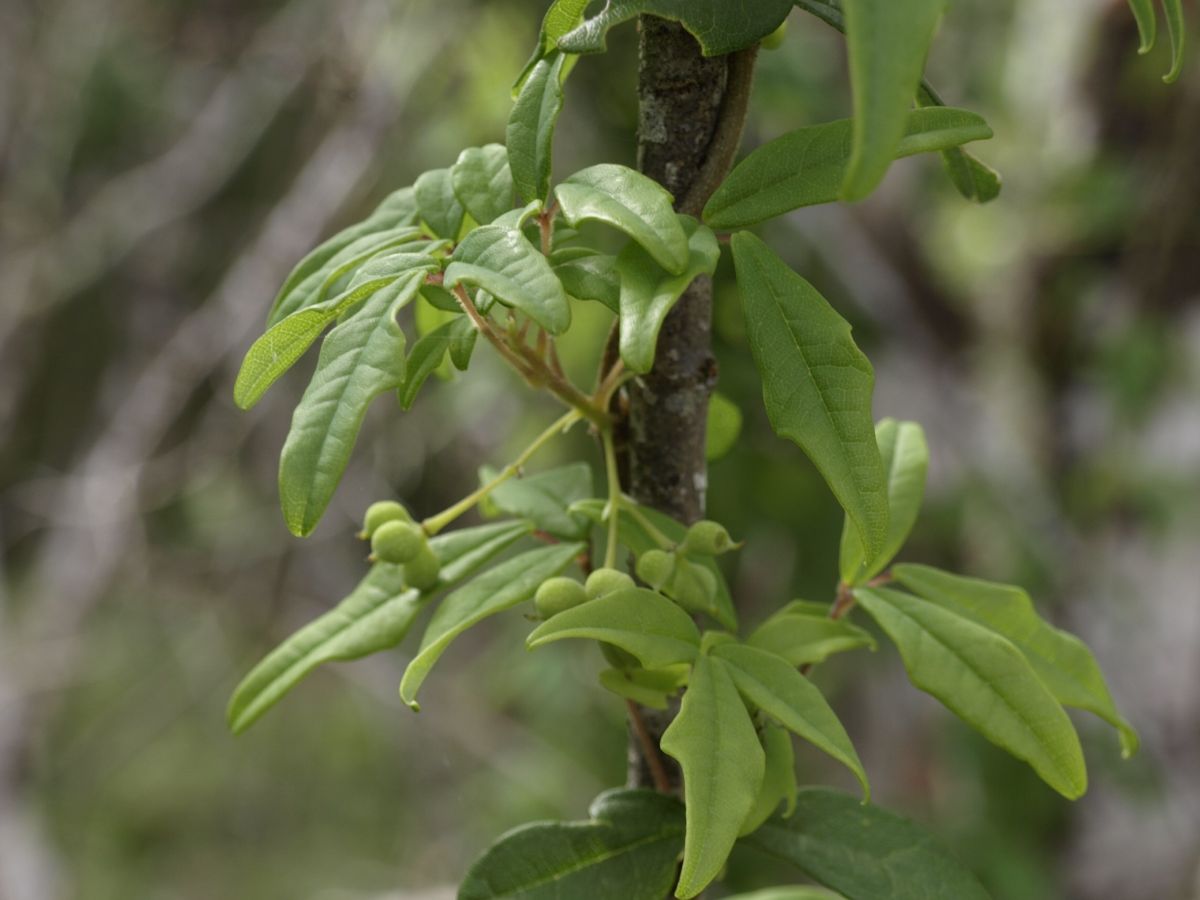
{"x":381,"y":512}
{"x":397,"y":542}
{"x":557,"y":595}
{"x":655,"y":567}
{"x":605,"y":581}
{"x":693,"y":587}
{"x":421,"y":572}
{"x":707,"y":538}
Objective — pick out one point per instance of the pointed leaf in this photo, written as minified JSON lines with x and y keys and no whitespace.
{"x":562,"y":17}
{"x":779,"y":779}
{"x":864,"y":852}
{"x":545,"y":497}
{"x":509,"y":584}
{"x":530,"y":134}
{"x":773,"y":685}
{"x":715,"y":744}
{"x":984,"y":680}
{"x":808,"y":638}
{"x":1177,"y":31}
{"x":648,"y":291}
{"x":627,"y":850}
{"x":1147,"y":23}
{"x":483,"y":183}
{"x":975,"y":180}
{"x":641,"y":622}
{"x":632,"y":203}
{"x":1063,"y":662}
{"x":817,"y":384}
{"x":439,"y":208}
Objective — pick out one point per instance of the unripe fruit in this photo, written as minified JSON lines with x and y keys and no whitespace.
{"x":693,"y":587}
{"x":605,"y":581}
{"x":397,"y":542}
{"x":379,"y":513}
{"x":557,"y":595}
{"x":655,"y":567}
{"x":707,"y":538}
{"x":421,"y":572}
{"x":774,"y":40}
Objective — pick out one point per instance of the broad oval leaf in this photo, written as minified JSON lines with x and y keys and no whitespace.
{"x":531,"y":124}
{"x":906,"y":461}
{"x":483,"y":183}
{"x":1063,"y":662}
{"x":984,"y":680}
{"x":637,"y":620}
{"x":864,"y":852}
{"x":504,"y":263}
{"x":817,"y":384}
{"x":805,"y":637}
{"x":374,"y":617}
{"x":507,"y":585}
{"x":648,"y":291}
{"x":545,"y":498}
{"x":807,"y":166}
{"x":779,"y":779}
{"x":360,"y":359}
{"x":715,"y":744}
{"x":627,"y":850}
{"x":630,"y":202}
{"x":887,"y":41}
{"x":438,"y":205}
{"x":773,"y":685}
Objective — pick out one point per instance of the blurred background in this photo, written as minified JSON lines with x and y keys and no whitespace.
{"x":164,"y":164}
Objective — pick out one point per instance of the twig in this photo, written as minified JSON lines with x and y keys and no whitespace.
{"x":658,"y":771}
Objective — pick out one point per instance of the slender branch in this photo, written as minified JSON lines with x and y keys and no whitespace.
{"x":614,"y":498}
{"x":658,"y":771}
{"x":484,"y":327}
{"x":436,"y":523}
{"x":638,"y":516}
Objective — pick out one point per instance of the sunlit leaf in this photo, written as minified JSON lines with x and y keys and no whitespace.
{"x":562,"y":17}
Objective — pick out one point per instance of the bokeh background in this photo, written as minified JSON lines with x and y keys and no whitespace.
{"x":163,"y":163}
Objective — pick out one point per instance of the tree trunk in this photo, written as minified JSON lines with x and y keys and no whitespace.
{"x":691,"y":111}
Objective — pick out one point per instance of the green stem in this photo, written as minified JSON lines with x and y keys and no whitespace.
{"x":614,"y":498}
{"x":638,"y":516}
{"x":434,"y":524}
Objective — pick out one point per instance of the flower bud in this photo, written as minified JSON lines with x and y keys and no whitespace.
{"x":557,"y":595}
{"x":707,"y":538}
{"x":655,"y":567}
{"x":397,"y":542}
{"x":693,"y":587}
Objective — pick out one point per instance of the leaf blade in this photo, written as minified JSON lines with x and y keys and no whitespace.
{"x":530,"y":133}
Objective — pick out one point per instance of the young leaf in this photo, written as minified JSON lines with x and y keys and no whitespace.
{"x":816,"y":383}
{"x":807,"y":166}
{"x":779,"y":779}
{"x":649,"y":687}
{"x":1147,"y":23}
{"x":374,"y":617}
{"x":648,"y":292}
{"x":632,"y":203}
{"x":483,"y":183}
{"x":715,"y":744}
{"x":723,"y":428}
{"x":888,"y":41}
{"x":641,"y":622}
{"x":425,"y":359}
{"x":530,"y":134}
{"x":439,"y":207}
{"x":545,"y":497}
{"x":809,"y":637}
{"x":627,"y":850}
{"x":720,"y":26}
{"x":984,"y":680}
{"x":463,"y":335}
{"x":1177,"y":30}
{"x":974,"y":180}
{"x":864,"y":852}
{"x":360,"y":359}
{"x":592,"y":276}
{"x":773,"y":685}
{"x":905,"y":460}
{"x":1063,"y":662}
{"x":562,"y":16}
{"x":504,"y":263}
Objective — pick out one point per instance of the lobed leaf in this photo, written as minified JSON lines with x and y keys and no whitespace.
{"x":438,"y":205}
{"x":483,"y":182}
{"x":530,"y":133}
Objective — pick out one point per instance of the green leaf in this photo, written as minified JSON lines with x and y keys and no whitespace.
{"x":360,"y":359}
{"x":463,"y":335}
{"x":504,"y":263}
{"x":715,"y":744}
{"x":864,"y":852}
{"x":637,"y":620}
{"x":723,"y":428}
{"x":905,"y":460}
{"x":808,"y":637}
{"x":888,"y":41}
{"x":779,"y":779}
{"x":374,"y":617}
{"x":630,"y":202}
{"x":634,"y":536}
{"x":1177,"y":30}
{"x":975,"y":180}
{"x":545,"y":497}
{"x":799,"y":892}
{"x":648,"y":291}
{"x":281,"y":347}
{"x":817,"y":384}
{"x":530,"y":134}
{"x":1063,"y":662}
{"x":808,"y":166}
{"x":592,"y":276}
{"x":439,"y":207}
{"x":627,"y":850}
{"x":507,"y":585}
{"x":772,"y":684}
{"x":483,"y":183}
{"x":425,"y":359}
{"x":562,"y":16}
{"x":720,"y":26}
{"x":649,"y":687}
{"x":984,"y":680}
{"x":1147,"y":23}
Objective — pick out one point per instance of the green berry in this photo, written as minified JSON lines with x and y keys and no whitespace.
{"x":422,"y":571}
{"x":381,"y":512}
{"x":557,"y":595}
{"x":707,"y":538}
{"x":655,"y":567}
{"x":605,"y":581}
{"x":774,"y":40}
{"x":397,"y":542}
{"x":693,"y":587}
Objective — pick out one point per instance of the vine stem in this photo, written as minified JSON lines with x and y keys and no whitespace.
{"x":614,"y":498}
{"x":436,"y":523}
{"x":658,"y":771}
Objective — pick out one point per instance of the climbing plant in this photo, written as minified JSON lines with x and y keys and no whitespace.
{"x":491,"y":247}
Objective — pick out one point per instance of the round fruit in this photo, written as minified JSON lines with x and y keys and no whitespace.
{"x":707,"y":538}
{"x":692,"y":590}
{"x":397,"y":542}
{"x":557,"y":595}
{"x":655,"y":567}
{"x":605,"y":581}
{"x":421,"y":572}
{"x":381,"y":512}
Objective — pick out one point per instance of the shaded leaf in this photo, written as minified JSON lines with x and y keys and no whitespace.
{"x":649,"y":687}
{"x":483,"y":183}
{"x":808,"y":637}
{"x":592,"y":276}
{"x":545,"y":497}
{"x":463,"y":336}
{"x":779,"y":779}
{"x":426,"y":357}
